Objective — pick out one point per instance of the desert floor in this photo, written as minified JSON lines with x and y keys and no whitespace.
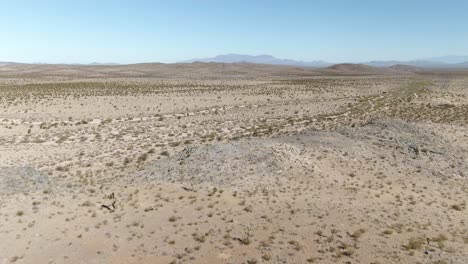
{"x":232,"y":164}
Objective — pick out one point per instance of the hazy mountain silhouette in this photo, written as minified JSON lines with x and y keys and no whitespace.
{"x":444,"y":62}
{"x":451,"y":61}
{"x":260,"y":59}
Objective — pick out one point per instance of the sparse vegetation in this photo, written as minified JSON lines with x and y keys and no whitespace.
{"x":266,"y":165}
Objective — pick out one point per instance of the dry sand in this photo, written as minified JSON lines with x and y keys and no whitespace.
{"x":232,"y":163}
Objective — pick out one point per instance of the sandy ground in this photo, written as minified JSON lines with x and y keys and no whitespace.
{"x":215,"y":163}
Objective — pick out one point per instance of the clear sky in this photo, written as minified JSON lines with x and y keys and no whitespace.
{"x":84,"y":31}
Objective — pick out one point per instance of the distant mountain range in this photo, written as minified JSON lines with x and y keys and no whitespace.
{"x":91,"y":64}
{"x":103,"y":64}
{"x":260,"y":59}
{"x":425,"y":63}
{"x":7,"y":63}
{"x":445,"y":62}
{"x":452,"y":61}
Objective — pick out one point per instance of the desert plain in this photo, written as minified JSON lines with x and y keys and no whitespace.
{"x":233,"y":163}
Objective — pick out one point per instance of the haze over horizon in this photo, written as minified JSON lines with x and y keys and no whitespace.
{"x":157,"y":31}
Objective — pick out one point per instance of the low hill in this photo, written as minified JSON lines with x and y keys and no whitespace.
{"x":407,"y":68}
{"x":351,"y":68}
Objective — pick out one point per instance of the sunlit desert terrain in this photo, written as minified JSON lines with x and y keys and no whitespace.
{"x":232,"y":163}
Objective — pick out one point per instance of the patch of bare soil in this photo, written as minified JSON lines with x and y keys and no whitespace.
{"x":232,"y":163}
{"x":21,"y":179}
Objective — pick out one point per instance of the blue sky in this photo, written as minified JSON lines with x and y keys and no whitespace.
{"x":83,"y":31}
